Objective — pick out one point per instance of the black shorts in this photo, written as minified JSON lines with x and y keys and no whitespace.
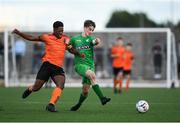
{"x":116,"y":71}
{"x":127,"y":72}
{"x":49,"y":70}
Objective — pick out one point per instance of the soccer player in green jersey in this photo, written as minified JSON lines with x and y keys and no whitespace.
{"x":84,"y":66}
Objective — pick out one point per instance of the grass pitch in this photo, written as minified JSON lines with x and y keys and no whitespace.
{"x":164,"y":106}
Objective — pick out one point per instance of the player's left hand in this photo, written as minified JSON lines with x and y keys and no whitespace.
{"x":96,"y":41}
{"x":82,"y":55}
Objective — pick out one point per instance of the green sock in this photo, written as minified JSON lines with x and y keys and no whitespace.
{"x":98,"y":91}
{"x":82,"y":98}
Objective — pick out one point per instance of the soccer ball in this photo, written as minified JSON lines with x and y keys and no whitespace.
{"x":142,"y":106}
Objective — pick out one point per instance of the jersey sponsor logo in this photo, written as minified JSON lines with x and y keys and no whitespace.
{"x":83,"y":47}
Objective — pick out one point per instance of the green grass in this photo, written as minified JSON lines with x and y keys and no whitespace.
{"x":164,"y":106}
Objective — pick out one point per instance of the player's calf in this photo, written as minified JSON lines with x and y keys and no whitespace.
{"x":26,"y":93}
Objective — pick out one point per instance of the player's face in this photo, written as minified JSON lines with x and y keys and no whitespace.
{"x":58,"y":32}
{"x":120,"y":42}
{"x":88,"y":30}
{"x":129,"y":48}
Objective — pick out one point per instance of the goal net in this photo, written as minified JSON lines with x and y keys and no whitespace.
{"x":22,"y":60}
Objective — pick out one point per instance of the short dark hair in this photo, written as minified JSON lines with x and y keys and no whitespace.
{"x":88,"y":23}
{"x":58,"y":24}
{"x":119,"y":38}
{"x":129,"y":44}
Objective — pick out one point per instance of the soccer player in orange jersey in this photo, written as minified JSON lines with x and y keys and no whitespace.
{"x":53,"y":60}
{"x":128,"y":61}
{"x":117,"y":52}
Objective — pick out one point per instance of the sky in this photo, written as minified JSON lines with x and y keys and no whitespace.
{"x":40,"y":14}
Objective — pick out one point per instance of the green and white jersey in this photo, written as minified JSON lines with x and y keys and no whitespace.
{"x":83,"y":45}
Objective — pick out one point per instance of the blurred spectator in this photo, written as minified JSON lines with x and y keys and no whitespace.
{"x":38,"y":50}
{"x":20,"y":50}
{"x":157,"y":59}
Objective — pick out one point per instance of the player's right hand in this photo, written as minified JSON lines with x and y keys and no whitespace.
{"x":16,"y":31}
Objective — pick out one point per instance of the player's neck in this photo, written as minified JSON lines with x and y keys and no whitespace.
{"x":84,"y":34}
{"x":57,"y":36}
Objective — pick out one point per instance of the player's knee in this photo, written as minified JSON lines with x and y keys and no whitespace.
{"x":120,"y":76}
{"x":60,"y":85}
{"x":91,"y":75}
{"x":85,"y":92}
{"x":128,"y":77}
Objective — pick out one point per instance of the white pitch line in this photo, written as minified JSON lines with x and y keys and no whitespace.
{"x":151,"y":103}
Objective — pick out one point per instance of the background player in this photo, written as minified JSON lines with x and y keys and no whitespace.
{"x":85,"y":67}
{"x":128,"y":61}
{"x":117,"y":52}
{"x":53,"y":59}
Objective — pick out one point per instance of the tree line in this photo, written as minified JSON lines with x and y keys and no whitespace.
{"x":127,"y":19}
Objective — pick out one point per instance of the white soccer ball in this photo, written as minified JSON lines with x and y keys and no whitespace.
{"x":142,"y":106}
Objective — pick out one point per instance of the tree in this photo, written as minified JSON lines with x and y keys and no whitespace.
{"x":126,"y":19}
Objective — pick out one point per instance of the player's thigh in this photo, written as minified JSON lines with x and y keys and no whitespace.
{"x":38,"y":84}
{"x":117,"y":72}
{"x":42,"y":76}
{"x":81,"y":69}
{"x":58,"y":75}
{"x":43,"y":73}
{"x":127,"y":74}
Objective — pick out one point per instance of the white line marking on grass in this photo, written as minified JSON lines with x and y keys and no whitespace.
{"x":169,"y":103}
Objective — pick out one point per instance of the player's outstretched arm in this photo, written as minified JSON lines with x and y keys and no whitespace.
{"x":26,"y":36}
